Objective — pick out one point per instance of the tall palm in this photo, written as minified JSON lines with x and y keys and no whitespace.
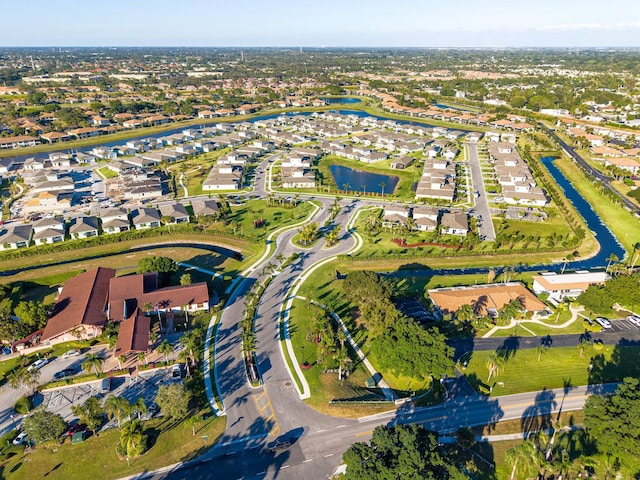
{"x":117,"y":407}
{"x":142,"y":357}
{"x":525,"y":455}
{"x":611,"y":259}
{"x":132,"y":438}
{"x":165,"y":349}
{"x":494,"y":364}
{"x":139,"y":407}
{"x":92,"y":361}
{"x":636,"y":251}
{"x":465,"y":314}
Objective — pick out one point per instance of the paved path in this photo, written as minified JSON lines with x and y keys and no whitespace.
{"x":522,"y":323}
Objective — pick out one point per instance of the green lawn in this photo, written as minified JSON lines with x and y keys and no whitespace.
{"x":325,"y":387}
{"x":556,"y":366}
{"x":622,"y":223}
{"x":106,"y":172}
{"x":171,"y":442}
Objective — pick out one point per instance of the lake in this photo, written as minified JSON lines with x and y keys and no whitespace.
{"x":365,"y":182}
{"x":341,"y":100}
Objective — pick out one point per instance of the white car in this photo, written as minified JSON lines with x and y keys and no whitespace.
{"x":20,"y":439}
{"x":604,"y":322}
{"x":71,"y":353}
{"x":38,"y":364}
{"x":635,"y":319}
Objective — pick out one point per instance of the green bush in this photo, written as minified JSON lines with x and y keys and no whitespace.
{"x":598,"y":345}
{"x":591,"y":327}
{"x":23,"y":405}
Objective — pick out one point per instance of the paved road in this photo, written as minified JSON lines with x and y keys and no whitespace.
{"x":317,"y":452}
{"x":256,"y":416}
{"x":481,"y":209}
{"x":622,"y":333}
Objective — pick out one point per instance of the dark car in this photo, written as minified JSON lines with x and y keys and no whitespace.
{"x":67,"y":372}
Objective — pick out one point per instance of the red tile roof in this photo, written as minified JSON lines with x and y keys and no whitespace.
{"x":133,"y":335}
{"x":81,"y":302}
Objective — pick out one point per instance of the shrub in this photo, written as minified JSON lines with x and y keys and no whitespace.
{"x":23,"y":405}
{"x":591,"y":327}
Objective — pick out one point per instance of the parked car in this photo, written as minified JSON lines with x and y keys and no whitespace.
{"x":20,"y":439}
{"x":38,"y":364}
{"x":71,"y":353}
{"x":604,"y":322}
{"x":635,"y":319}
{"x":67,"y":372}
{"x":176,"y":371}
{"x":105,"y":385}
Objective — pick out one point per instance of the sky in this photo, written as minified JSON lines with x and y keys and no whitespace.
{"x":322,"y":23}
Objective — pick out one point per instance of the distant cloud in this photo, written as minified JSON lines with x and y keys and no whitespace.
{"x":588,"y":26}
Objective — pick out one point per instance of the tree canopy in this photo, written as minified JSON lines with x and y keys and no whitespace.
{"x":89,"y":413}
{"x":43,"y":425}
{"x":613,"y":420}
{"x":408,"y":349}
{"x":403,"y":451}
{"x":623,"y":290}
{"x":163,"y":265}
{"x":173,"y":400}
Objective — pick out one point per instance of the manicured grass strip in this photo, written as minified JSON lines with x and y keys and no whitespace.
{"x":623,"y":224}
{"x":522,"y":372}
{"x":170,"y":442}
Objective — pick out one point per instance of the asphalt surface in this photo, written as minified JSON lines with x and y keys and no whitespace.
{"x":481,"y":209}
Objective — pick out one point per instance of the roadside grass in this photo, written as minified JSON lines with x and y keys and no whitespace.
{"x":556,"y":366}
{"x":325,"y":387}
{"x":170,"y":441}
{"x":622,"y":223}
{"x":121,"y":256}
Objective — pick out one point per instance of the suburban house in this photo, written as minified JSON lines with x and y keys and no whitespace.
{"x":454,"y":223}
{"x":223,"y":177}
{"x":425,"y":218}
{"x":566,"y":285}
{"x":15,"y":236}
{"x":48,"y":230}
{"x":145,"y":218}
{"x":115,"y":220}
{"x":486,"y":300}
{"x":400,"y":163}
{"x":203,"y":206}
{"x":395,"y":216}
{"x":83,"y":227}
{"x":175,"y":211}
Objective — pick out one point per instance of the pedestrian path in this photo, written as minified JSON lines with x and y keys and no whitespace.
{"x":575,"y":311}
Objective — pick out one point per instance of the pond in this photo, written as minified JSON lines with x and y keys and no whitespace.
{"x":340,"y":100}
{"x":360,"y":181}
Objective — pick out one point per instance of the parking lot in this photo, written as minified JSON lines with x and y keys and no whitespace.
{"x":622,"y":325}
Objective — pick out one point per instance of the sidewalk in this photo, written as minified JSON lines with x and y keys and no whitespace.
{"x":513,"y":323}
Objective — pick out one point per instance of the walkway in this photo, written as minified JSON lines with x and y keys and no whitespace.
{"x":514,"y":323}
{"x":388,"y":392}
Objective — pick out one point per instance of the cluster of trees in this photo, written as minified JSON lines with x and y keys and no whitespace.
{"x":20,"y":320}
{"x":403,"y":451}
{"x":400,"y":344}
{"x":165,"y":266}
{"x":330,"y":340}
{"x":308,"y":234}
{"x":623,"y":290}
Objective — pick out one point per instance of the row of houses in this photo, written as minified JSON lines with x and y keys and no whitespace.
{"x":426,"y":219}
{"x":514,"y":176}
{"x":627,"y":159}
{"x":109,"y":220}
{"x":438,"y":180}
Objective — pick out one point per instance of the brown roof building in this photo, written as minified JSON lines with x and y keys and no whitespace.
{"x":80,"y":305}
{"x":133,"y":336}
{"x":485,"y":299}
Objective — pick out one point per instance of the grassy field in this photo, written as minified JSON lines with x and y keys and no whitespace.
{"x":622,"y":223}
{"x":556,"y":366}
{"x":325,"y":387}
{"x":171,"y":442}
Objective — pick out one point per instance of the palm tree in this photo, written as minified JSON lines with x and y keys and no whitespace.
{"x":142,"y":357}
{"x":92,"y":361}
{"x":116,"y":407}
{"x":139,"y":407}
{"x":167,"y":220}
{"x":165,"y":349}
{"x":636,"y":251}
{"x":494,"y":364}
{"x":526,"y":455}
{"x":541,"y":349}
{"x":122,"y":359}
{"x":465,"y":314}
{"x":382,"y":185}
{"x":133,"y":439}
{"x":611,"y":259}
{"x":24,"y":378}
